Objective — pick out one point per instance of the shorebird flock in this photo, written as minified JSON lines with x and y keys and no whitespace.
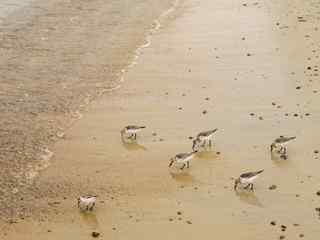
{"x":202,"y":142}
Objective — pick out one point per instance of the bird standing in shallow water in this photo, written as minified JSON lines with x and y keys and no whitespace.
{"x":131,"y":131}
{"x":203,"y":139}
{"x":87,"y":203}
{"x":183,"y":158}
{"x":247,"y":179}
{"x":281,"y":143}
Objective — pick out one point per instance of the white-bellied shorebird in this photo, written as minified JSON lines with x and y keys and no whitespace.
{"x":182,"y":158}
{"x":204,"y":139}
{"x":281,"y":143}
{"x":87,"y":203}
{"x":131,"y":131}
{"x":247,"y":179}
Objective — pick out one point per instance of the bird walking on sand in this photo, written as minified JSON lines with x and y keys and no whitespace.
{"x":131,"y":131}
{"x":183,"y":158}
{"x":280,"y":143}
{"x":203,"y":139}
{"x":247,"y":179}
{"x":87,"y":203}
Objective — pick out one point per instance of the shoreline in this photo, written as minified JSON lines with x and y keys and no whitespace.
{"x":61,"y":113}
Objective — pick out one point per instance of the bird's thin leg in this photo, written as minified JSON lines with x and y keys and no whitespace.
{"x":188,"y":164}
{"x":135,"y":136}
{"x":246,"y":187}
{"x":252,"y":187}
{"x":210,"y":143}
{"x":183,"y":166}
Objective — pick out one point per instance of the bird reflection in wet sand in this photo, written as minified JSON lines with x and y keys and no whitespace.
{"x":183,"y":177}
{"x":249,"y":198}
{"x":133,"y":146}
{"x":90,"y":220}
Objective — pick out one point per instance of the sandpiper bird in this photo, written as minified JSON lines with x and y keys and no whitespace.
{"x":183,"y":158}
{"x":247,"y":179}
{"x":86,"y":203}
{"x":280,"y":142}
{"x":204,"y":138}
{"x":131,"y":130}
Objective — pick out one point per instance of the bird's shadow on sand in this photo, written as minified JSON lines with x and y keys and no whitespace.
{"x":90,"y":219}
{"x":133,"y":146}
{"x":248,"y":197}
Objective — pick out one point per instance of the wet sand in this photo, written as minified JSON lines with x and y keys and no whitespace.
{"x":229,"y":59}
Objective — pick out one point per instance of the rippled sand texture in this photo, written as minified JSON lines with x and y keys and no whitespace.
{"x":247,"y":68}
{"x":55,"y":57}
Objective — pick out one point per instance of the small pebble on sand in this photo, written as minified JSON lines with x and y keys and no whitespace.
{"x":95,"y":234}
{"x":273,"y":223}
{"x":301,"y":235}
{"x":189,"y":222}
{"x":272,"y":187}
{"x":316,"y":151}
{"x":204,"y":112}
{"x":282,"y":237}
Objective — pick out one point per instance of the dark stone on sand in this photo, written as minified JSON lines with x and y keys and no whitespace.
{"x":283,"y":226}
{"x":282,"y":237}
{"x":248,"y":54}
{"x":296,"y":224}
{"x":309,"y":68}
{"x":189,"y":222}
{"x":218,"y":153}
{"x":272,"y":187}
{"x":207,"y":98}
{"x":307,"y":114}
{"x":298,"y":87}
{"x":180,"y":108}
{"x":318,"y":193}
{"x":316,"y":151}
{"x":273,"y":103}
{"x":296,"y":114}
{"x":260,"y":118}
{"x":179,"y":213}
{"x":170,"y":219}
{"x":95,"y":234}
{"x":114,"y":228}
{"x":154,"y":134}
{"x":301,"y":235}
{"x":251,"y":114}
{"x":204,"y":112}
{"x":190,"y":137}
{"x":273,"y":223}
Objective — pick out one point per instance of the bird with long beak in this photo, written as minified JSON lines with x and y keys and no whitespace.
{"x":131,"y":131}
{"x":87,"y":203}
{"x":280,"y":143}
{"x":203,"y":139}
{"x":182,"y":158}
{"x":247,"y":179}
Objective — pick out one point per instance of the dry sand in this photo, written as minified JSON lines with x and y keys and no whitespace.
{"x":246,"y":57}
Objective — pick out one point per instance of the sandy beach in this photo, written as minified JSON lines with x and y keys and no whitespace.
{"x":249,"y":69}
